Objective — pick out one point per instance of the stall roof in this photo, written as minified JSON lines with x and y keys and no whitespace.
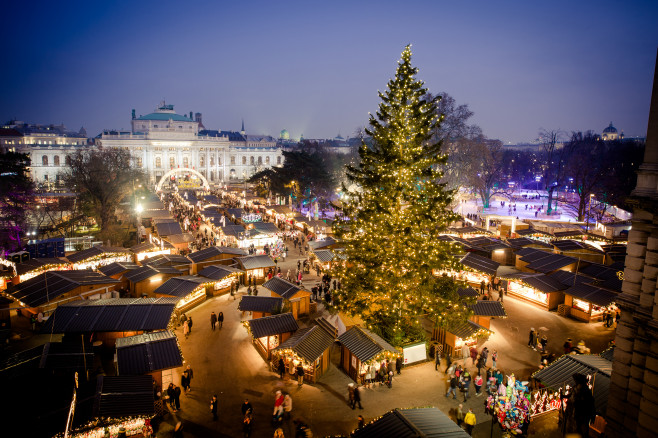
{"x":255,"y":261}
{"x":319,"y":244}
{"x":592,"y":294}
{"x":232,"y":230}
{"x":530,"y":231}
{"x":251,"y":303}
{"x":217,"y":272}
{"x":167,"y":260}
{"x":466,"y":292}
{"x":522,"y":242}
{"x":560,"y":372}
{"x":266,"y":227}
{"x":168,"y":228}
{"x":364,"y":344}
{"x":466,"y":329}
{"x":93,"y":252}
{"x":118,"y":268}
{"x":52,"y":284}
{"x":568,"y":233}
{"x":280,"y":209}
{"x":488,"y":308}
{"x":551,"y":263}
{"x":38,"y":263}
{"x":236,"y":212}
{"x":111,"y":315}
{"x":214,"y":251}
{"x":308,"y":343}
{"x":468,"y":230}
{"x":569,"y":279}
{"x":146,"y":272}
{"x":608,"y":353}
{"x":148,"y":352}
{"x":143,"y":247}
{"x":545,"y":283}
{"x":324,"y":255}
{"x":156,"y":214}
{"x":283,"y":288}
{"x":480,"y":263}
{"x":606,"y":276}
{"x":273,"y":325}
{"x":574,"y":245}
{"x":180,"y":286}
{"x":177,"y":239}
{"x":124,"y":396}
{"x":412,"y":423}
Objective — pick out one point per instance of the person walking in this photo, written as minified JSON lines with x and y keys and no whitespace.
{"x":357,"y":398}
{"x":460,"y":415}
{"x":567,"y":346}
{"x":454,"y":381}
{"x":466,"y":382}
{"x":186,"y":329}
{"x":190,"y":376}
{"x":448,"y":361}
{"x":213,"y":407}
{"x":478,"y":384}
{"x":469,"y":420}
{"x":220,"y":319}
{"x":184,"y":380}
{"x":361,"y":422}
{"x":247,"y":423}
{"x":300,"y":374}
{"x":350,"y":394}
{"x":213,"y":320}
{"x":281,"y":367}
{"x":532,"y":338}
{"x":171,"y":394}
{"x":494,"y":358}
{"x":543,"y":343}
{"x":177,"y":397}
{"x":287,"y":407}
{"x":437,"y":360}
{"x":398,"y":365}
{"x":189,"y":324}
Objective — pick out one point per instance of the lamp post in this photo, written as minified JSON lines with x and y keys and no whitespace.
{"x":589,"y":212}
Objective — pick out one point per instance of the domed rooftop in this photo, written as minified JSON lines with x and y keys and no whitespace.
{"x":610,"y":129}
{"x":165,"y":112}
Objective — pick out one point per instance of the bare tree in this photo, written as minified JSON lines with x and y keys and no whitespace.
{"x":554,"y":159}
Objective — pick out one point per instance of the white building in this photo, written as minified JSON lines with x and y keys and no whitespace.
{"x":164,"y":141}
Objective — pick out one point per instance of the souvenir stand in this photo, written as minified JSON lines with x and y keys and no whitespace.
{"x":269,"y":332}
{"x":588,"y":303}
{"x":361,"y":350}
{"x":510,"y":407}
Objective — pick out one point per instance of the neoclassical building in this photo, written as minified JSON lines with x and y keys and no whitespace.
{"x":163,"y":142}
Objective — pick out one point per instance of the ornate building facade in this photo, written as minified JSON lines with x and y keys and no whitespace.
{"x":165,"y":141}
{"x":633,"y":399}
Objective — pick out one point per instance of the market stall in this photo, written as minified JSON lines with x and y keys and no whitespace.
{"x":33,"y":267}
{"x":484,"y":310}
{"x":223,"y":277}
{"x":361,"y":349}
{"x":541,"y":290}
{"x":255,"y":267}
{"x":454,"y":337}
{"x":260,"y":306}
{"x":190,"y":289}
{"x":269,"y":332}
{"x":309,"y":346}
{"x":588,"y":303}
{"x":98,"y":256}
{"x":298,"y":297}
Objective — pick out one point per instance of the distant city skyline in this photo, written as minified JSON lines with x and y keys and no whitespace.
{"x":315,"y":69}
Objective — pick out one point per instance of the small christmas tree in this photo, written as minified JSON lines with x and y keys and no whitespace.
{"x":396,"y":209}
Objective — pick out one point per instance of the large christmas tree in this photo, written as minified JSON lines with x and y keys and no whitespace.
{"x":396,"y":208}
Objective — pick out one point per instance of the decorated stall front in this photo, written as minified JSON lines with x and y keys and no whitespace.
{"x":190,"y":289}
{"x":214,"y":255}
{"x":454,"y":337}
{"x":255,"y":268}
{"x":589,"y":303}
{"x":33,"y":267}
{"x":298,"y":297}
{"x":260,"y":306}
{"x":145,"y":280}
{"x":309,"y":346}
{"x":541,"y":290}
{"x":361,"y":350}
{"x":223,"y":277}
{"x":271,"y":331}
{"x":98,"y":256}
{"x":149,"y":249}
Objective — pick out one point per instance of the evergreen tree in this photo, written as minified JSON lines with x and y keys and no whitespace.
{"x":395,"y":216}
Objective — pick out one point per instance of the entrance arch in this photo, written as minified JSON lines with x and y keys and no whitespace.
{"x":203,"y":179}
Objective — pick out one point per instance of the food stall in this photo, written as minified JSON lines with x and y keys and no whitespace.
{"x":190,"y":289}
{"x":310,"y":347}
{"x":588,"y":303}
{"x":361,"y":348}
{"x":454,"y":337}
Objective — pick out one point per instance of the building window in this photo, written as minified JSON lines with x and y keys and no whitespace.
{"x":44,"y":161}
{"x":260,"y":161}
{"x":219,"y":161}
{"x":158,"y":162}
{"x":244,"y":160}
{"x":251,"y":160}
{"x":267,"y":160}
{"x":56,"y":160}
{"x":212,"y":160}
{"x":172,"y":162}
{"x":212,"y":175}
{"x":67,"y":160}
{"x":202,"y":160}
{"x":233,"y":160}
{"x":45,"y":177}
{"x":138,"y":161}
{"x":155,"y":126}
{"x":185,"y":162}
{"x":278,"y":160}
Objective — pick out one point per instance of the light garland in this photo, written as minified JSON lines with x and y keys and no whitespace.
{"x":131,"y":425}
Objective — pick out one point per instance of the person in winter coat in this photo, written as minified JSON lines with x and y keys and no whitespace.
{"x":454,"y":382}
{"x":466,"y":382}
{"x":287,"y":407}
{"x":190,"y":376}
{"x":532,"y":338}
{"x":213,"y":407}
{"x":300,"y":375}
{"x":189,"y":323}
{"x":460,"y":415}
{"x":186,"y":328}
{"x":281,"y":368}
{"x":448,"y":362}
{"x":469,"y":420}
{"x":478,"y":384}
{"x":357,"y":398}
{"x":220,"y":319}
{"x":213,"y":320}
{"x":437,"y":360}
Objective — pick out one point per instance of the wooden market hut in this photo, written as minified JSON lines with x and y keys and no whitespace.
{"x":269,"y":332}
{"x":230,"y":234}
{"x":214,"y":255}
{"x":145,"y":280}
{"x":536,"y":260}
{"x":298,"y":297}
{"x":467,"y":292}
{"x":311,"y":346}
{"x":453,"y":337}
{"x":412,"y":422}
{"x":147,"y":249}
{"x":180,"y":262}
{"x":33,"y":267}
{"x":326,"y":243}
{"x":180,"y":242}
{"x":260,"y":306}
{"x":118,"y":271}
{"x":360,"y":346}
{"x":99,"y":255}
{"x":586,"y":302}
{"x":222,"y":276}
{"x":189,"y":289}
{"x":148,"y":354}
{"x":106,"y":320}
{"x":45,"y":292}
{"x":256,"y":267}
{"x":542,"y":290}
{"x":484,"y":310}
{"x":579,"y":249}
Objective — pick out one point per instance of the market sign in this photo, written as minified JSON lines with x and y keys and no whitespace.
{"x":252,"y":217}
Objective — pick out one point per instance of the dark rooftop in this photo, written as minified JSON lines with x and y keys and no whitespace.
{"x":95,"y":251}
{"x":148,"y":352}
{"x":282,"y":287}
{"x":364,"y":344}
{"x":251,"y":303}
{"x":309,"y":343}
{"x":412,"y":423}
{"x":272,"y":325}
{"x":180,"y":286}
{"x":480,"y":263}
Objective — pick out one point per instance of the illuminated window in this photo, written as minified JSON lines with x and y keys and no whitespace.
{"x":172,"y":161}
{"x":244,"y":160}
{"x":44,"y":160}
{"x":185,"y":162}
{"x":212,"y":160}
{"x":56,"y":160}
{"x":138,"y":161}
{"x":202,"y":160}
{"x":251,"y":160}
{"x":233,"y":160}
{"x":158,"y":162}
{"x":267,"y":160}
{"x":260,"y":161}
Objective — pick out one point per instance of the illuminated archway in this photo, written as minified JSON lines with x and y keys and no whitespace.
{"x":158,"y":187}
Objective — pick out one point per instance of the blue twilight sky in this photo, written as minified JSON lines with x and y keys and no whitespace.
{"x":314,"y":68}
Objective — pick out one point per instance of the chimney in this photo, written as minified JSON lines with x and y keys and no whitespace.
{"x":191,"y":118}
{"x":134,"y":114}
